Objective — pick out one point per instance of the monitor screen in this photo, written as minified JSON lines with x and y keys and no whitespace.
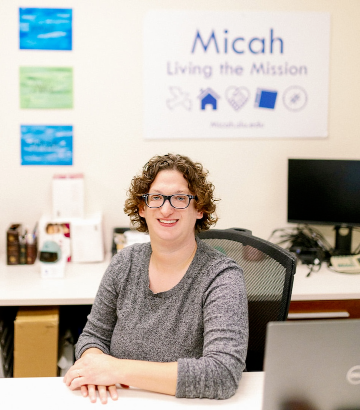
{"x":325,"y":192}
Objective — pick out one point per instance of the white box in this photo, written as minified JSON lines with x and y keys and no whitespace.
{"x":53,"y":270}
{"x":87,"y":244}
{"x":57,"y":230}
{"x":68,"y":196}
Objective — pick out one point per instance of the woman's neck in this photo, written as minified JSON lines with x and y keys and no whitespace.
{"x":169,"y":265}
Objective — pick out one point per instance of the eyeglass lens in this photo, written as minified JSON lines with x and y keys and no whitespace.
{"x":177,"y":201}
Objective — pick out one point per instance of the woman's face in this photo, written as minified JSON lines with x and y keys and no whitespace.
{"x":168,"y":223}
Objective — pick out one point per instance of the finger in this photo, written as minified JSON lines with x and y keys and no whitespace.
{"x":68,"y":378}
{"x":92,"y":393}
{"x":72,"y":379}
{"x":113,"y":392}
{"x":84,"y":390}
{"x":102,"y":394}
{"x":68,"y":375}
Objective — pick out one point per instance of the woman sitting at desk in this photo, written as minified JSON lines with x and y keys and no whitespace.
{"x":170,"y":316}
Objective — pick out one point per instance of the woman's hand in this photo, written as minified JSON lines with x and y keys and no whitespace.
{"x":94,"y":370}
{"x":90,"y":390}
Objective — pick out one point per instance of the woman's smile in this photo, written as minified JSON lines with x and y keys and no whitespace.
{"x":168,"y":221}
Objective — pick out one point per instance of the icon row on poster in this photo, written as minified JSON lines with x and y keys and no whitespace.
{"x":294,"y":98}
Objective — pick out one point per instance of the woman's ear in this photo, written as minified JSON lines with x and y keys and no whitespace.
{"x":199,"y":215}
{"x":142,"y":210}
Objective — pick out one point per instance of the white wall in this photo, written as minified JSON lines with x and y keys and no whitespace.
{"x":250,"y":175}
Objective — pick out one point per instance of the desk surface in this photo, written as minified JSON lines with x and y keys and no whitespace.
{"x":51,"y":393}
{"x":22,"y":285}
{"x":325,"y":284}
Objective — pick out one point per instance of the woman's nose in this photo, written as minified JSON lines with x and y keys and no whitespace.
{"x":167,"y":209}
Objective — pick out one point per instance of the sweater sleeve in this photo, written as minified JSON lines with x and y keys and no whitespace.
{"x":217,"y":373}
{"x":102,"y":318}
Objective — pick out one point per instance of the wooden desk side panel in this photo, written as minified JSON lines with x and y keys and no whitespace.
{"x":352,"y":306}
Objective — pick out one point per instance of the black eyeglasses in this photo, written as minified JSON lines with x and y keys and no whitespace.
{"x":178,"y":201}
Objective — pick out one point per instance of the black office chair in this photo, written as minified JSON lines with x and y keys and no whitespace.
{"x":269,"y":273}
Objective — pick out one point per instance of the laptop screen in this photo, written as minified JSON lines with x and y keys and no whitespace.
{"x":312,"y":365}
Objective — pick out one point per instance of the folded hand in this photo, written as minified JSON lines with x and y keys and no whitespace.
{"x":93,"y":371}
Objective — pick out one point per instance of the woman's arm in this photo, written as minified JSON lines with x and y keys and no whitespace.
{"x":99,"y":327}
{"x":217,"y":373}
{"x":97,"y":369}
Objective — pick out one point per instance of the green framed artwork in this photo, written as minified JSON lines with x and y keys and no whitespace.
{"x":46,"y":87}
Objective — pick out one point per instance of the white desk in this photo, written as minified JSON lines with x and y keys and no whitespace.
{"x":324,"y":294}
{"x":51,"y":393}
{"x":22,"y":285}
{"x":325,"y":284}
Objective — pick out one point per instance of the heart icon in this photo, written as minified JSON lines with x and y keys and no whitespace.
{"x":237,"y":97}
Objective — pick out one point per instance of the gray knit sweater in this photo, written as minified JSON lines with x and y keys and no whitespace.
{"x":202,"y":323}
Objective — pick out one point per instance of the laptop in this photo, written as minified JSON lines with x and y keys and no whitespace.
{"x":312,"y":365}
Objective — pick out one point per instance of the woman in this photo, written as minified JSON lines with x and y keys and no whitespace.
{"x":170,"y":316}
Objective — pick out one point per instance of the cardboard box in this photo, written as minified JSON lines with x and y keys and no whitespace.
{"x":36,"y":342}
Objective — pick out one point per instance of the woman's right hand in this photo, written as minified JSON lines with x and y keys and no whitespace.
{"x":90,"y":389}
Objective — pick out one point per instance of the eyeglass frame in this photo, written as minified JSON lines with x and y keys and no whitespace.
{"x":167,"y":198}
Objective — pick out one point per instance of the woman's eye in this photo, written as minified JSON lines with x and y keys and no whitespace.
{"x":180,"y":198}
{"x":155,"y":198}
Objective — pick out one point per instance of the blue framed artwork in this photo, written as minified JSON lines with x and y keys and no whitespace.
{"x":45,"y":29}
{"x":46,"y":144}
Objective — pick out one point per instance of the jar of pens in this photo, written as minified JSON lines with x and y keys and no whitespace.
{"x":21,"y":245}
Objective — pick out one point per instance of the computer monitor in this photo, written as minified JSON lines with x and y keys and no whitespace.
{"x":325,"y":192}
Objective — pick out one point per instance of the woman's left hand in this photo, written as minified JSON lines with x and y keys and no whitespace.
{"x":90,"y":390}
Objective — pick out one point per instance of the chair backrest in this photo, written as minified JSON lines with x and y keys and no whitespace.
{"x":269,"y":273}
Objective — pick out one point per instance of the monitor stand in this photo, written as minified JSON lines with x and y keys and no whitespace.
{"x":343,"y":238}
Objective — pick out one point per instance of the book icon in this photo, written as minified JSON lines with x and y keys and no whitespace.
{"x":265,"y":99}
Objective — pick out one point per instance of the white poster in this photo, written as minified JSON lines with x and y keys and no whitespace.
{"x":236,"y":74}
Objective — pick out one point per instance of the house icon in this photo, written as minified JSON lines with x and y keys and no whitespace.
{"x":208,"y":97}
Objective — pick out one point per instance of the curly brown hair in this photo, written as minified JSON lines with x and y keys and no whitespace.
{"x":195,"y":175}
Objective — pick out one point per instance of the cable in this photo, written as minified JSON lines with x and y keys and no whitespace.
{"x":312,"y":269}
{"x":307,"y":243}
